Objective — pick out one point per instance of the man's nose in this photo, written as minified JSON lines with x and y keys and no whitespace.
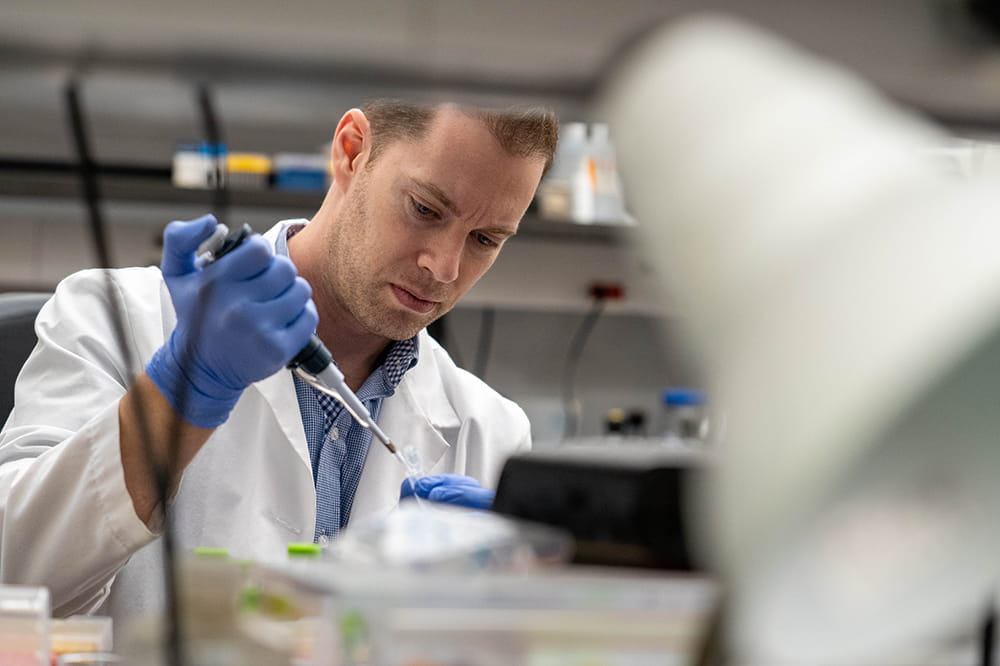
{"x":442,"y":256}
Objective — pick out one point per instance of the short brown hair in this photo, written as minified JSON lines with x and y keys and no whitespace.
{"x":528,"y":131}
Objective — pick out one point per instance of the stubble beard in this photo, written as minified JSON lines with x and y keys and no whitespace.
{"x":357,"y":291}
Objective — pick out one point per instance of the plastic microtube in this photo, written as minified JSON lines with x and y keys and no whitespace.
{"x":410,"y":458}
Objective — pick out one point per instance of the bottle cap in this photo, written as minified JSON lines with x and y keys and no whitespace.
{"x":683,"y":397}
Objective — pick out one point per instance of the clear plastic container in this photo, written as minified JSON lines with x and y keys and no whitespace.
{"x":555,"y":194}
{"x":24,"y":625}
{"x":218,"y":609}
{"x":89,"y":658}
{"x":300,"y":171}
{"x":81,"y":634}
{"x":580,"y":615}
{"x":687,"y":421}
{"x":609,"y":208}
{"x":199,"y":165}
{"x":444,"y":538}
{"x":248,"y":171}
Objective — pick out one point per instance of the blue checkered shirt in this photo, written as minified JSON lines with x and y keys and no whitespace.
{"x":337,"y":444}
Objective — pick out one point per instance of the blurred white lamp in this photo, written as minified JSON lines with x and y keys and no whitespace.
{"x":844,"y":300}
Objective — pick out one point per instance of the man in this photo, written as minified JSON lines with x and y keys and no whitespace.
{"x":421,"y":202}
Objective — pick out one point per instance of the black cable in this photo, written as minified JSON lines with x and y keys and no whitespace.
{"x":711,"y":649}
{"x":213,"y":137}
{"x":988,"y":636}
{"x":486,"y":327}
{"x":176,"y":641}
{"x":91,"y":193}
{"x":88,"y":175}
{"x":570,"y":406}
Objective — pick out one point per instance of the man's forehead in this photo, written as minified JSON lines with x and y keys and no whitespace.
{"x":449,"y":119}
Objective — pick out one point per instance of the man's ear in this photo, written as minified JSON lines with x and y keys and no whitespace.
{"x":350,"y":148}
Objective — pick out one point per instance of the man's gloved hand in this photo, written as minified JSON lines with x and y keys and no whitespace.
{"x":449,"y":489}
{"x":239,"y":320}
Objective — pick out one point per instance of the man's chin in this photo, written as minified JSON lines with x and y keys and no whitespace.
{"x":395,"y":322}
{"x":400,"y":330}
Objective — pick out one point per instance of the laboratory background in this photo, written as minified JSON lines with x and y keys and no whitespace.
{"x":682,"y":295}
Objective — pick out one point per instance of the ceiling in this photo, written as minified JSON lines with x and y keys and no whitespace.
{"x":277,"y":65}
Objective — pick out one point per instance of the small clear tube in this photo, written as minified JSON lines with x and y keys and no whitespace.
{"x":410,"y":458}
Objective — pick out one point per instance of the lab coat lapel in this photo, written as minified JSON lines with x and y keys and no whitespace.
{"x":278,"y":391}
{"x":419,"y":414}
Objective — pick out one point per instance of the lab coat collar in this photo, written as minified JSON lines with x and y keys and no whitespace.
{"x":425,"y":389}
{"x":271,"y":235}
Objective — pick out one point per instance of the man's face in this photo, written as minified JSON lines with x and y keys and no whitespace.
{"x":422,"y":223}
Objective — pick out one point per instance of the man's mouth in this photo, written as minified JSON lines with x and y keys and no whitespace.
{"x":413,"y":301}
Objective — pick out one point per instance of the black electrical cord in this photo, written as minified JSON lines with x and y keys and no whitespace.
{"x":988,"y":635}
{"x":87,"y":174}
{"x":486,"y":327}
{"x":570,"y":407}
{"x":216,"y":142}
{"x":173,"y":645}
{"x":711,"y":650}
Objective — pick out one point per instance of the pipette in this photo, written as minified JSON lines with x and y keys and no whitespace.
{"x":314,"y":364}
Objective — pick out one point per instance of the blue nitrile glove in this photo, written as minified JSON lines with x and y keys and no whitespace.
{"x":449,"y":489}
{"x":239,"y":320}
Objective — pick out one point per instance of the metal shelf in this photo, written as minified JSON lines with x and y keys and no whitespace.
{"x":142,"y":183}
{"x":136,"y":183}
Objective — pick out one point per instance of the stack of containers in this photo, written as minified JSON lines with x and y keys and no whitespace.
{"x":81,"y":635}
{"x":209,"y":166}
{"x":24,"y":626}
{"x":199,"y":165}
{"x":583,"y":185}
{"x":300,"y":171}
{"x":248,"y":171}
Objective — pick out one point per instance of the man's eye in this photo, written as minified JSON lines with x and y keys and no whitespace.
{"x":422,"y":210}
{"x":485,"y":240}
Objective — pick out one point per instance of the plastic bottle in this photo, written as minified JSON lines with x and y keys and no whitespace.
{"x":614,"y":422}
{"x":199,"y":165}
{"x":555,"y":194}
{"x":584,"y":185}
{"x":686,"y":416}
{"x":607,"y":190}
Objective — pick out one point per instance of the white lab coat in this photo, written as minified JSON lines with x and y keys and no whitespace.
{"x":66,"y":519}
